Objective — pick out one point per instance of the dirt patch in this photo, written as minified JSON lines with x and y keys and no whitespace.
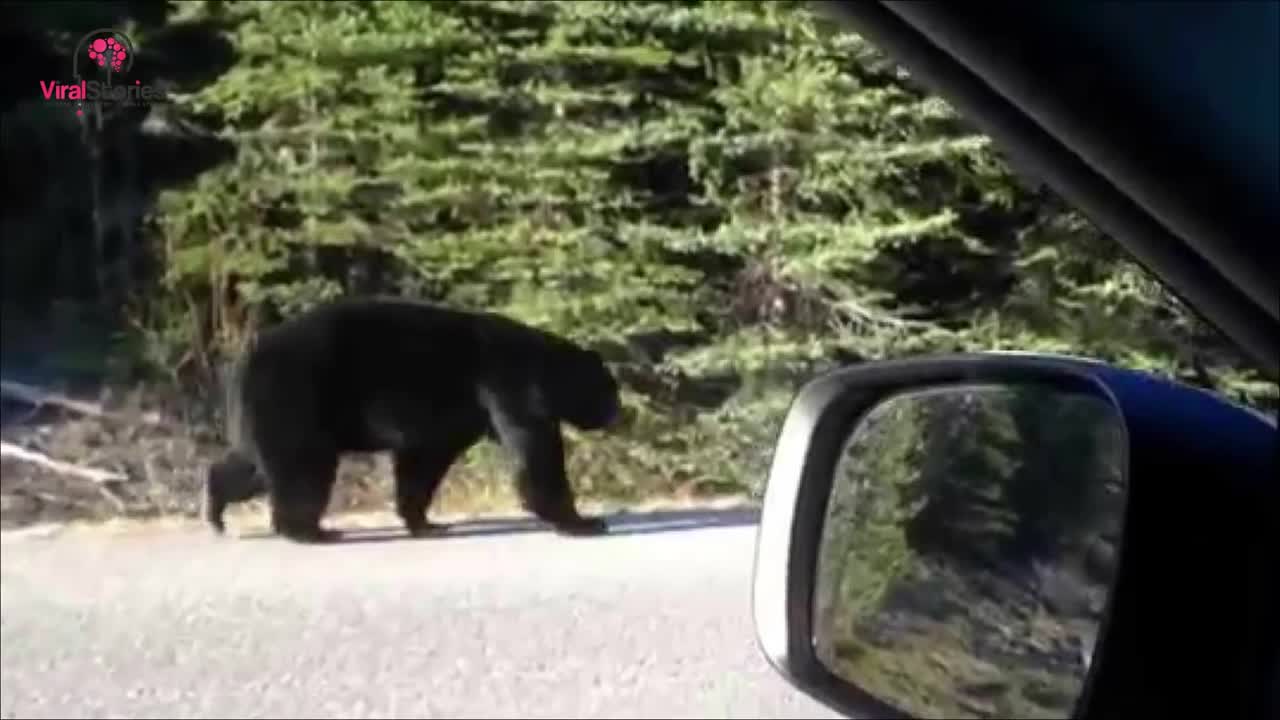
{"x":250,"y":519}
{"x":956,"y":640}
{"x":163,"y":466}
{"x":159,"y":454}
{"x":162,"y":446}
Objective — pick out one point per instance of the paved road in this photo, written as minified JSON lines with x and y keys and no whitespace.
{"x":503,"y":620}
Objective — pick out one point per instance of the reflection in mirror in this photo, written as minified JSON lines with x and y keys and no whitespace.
{"x":968,"y":549}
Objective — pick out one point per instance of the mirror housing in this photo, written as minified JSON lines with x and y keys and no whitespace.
{"x":1158,"y":611}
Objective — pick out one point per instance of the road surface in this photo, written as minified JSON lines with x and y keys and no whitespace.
{"x":496,"y":620}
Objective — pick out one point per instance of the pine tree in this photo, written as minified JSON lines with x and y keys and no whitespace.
{"x":726,"y":197}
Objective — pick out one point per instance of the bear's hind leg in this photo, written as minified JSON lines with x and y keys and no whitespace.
{"x":300,"y":491}
{"x":419,"y":471}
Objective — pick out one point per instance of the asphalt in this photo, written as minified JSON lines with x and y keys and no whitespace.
{"x":497,"y":619}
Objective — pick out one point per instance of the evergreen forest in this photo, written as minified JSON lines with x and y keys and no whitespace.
{"x":723,"y":197}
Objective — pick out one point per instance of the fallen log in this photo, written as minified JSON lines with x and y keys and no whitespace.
{"x":38,"y":398}
{"x":8,"y":450}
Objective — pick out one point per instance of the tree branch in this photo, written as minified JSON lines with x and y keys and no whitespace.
{"x":92,"y":474}
{"x":37,"y":397}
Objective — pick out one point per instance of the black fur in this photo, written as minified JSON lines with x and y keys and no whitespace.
{"x":421,"y":381}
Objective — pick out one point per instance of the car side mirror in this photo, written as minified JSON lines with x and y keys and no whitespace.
{"x":944,"y":537}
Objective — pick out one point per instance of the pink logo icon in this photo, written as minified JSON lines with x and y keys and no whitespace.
{"x":107,"y":49}
{"x":109,"y":53}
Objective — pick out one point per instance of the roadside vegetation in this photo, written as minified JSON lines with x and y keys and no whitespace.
{"x":724,"y":197}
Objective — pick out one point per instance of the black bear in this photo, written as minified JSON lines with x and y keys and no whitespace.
{"x":422,"y":381}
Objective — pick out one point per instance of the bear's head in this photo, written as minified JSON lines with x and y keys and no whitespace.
{"x":579,"y":389}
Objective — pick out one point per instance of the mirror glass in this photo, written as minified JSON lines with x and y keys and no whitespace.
{"x":969,"y":547}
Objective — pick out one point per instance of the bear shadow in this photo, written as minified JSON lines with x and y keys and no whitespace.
{"x":621,"y":523}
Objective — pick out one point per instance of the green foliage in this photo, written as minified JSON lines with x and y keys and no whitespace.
{"x":864,"y":548}
{"x":762,"y":192}
{"x":944,"y":503}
